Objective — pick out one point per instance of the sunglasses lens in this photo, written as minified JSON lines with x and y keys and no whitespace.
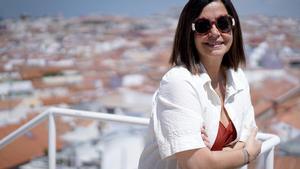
{"x":202,"y":25}
{"x":224,"y":24}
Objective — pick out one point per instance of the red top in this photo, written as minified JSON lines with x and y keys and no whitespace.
{"x":224,"y":137}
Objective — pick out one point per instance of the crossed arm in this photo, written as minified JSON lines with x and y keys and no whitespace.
{"x":230,"y":157}
{"x":238,"y":145}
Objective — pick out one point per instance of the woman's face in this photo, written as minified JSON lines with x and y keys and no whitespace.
{"x":213,"y":44}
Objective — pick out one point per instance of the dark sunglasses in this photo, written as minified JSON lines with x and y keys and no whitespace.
{"x":223,"y":23}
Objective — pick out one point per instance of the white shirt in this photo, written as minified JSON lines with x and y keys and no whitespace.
{"x":183,"y":104}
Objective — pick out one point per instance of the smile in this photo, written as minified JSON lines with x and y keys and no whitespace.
{"x":214,"y":44}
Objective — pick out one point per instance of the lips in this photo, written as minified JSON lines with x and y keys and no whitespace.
{"x":214,"y":44}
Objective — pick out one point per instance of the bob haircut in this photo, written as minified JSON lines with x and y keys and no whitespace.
{"x":184,"y":50}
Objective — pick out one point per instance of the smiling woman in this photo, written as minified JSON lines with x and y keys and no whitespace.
{"x":202,"y":114}
{"x":215,"y":42}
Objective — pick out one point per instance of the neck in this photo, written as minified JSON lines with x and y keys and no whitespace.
{"x":215,"y":72}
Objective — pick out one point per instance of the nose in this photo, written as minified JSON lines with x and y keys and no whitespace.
{"x":214,"y":31}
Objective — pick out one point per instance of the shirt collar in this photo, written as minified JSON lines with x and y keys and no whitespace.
{"x":204,"y":75}
{"x":234,"y":84}
{"x":234,"y":80}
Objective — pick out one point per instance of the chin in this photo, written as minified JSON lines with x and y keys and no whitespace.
{"x":217,"y":56}
{"x":216,"y":53}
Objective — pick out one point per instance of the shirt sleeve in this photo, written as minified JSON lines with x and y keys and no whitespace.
{"x":248,"y":124}
{"x":249,"y":117}
{"x":177,"y":118}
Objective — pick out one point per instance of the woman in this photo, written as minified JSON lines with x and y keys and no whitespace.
{"x":204,"y":90}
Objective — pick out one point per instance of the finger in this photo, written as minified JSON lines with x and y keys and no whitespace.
{"x":227,"y":149}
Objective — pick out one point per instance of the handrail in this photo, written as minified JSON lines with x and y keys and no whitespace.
{"x":269,"y":140}
{"x":74,"y":113}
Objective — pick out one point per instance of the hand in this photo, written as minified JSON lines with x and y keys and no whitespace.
{"x":205,"y":137}
{"x":236,"y":146}
{"x":253,"y":146}
{"x":227,"y":149}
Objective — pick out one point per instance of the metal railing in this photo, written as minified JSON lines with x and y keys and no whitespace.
{"x":269,"y":141}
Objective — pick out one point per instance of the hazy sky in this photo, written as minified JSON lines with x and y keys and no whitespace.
{"x":288,"y":8}
{"x":13,"y":8}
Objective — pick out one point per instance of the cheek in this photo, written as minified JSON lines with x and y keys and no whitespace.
{"x":228,"y":40}
{"x":199,"y":46}
{"x":196,"y":41}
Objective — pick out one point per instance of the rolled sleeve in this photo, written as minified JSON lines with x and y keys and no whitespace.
{"x":177,"y":119}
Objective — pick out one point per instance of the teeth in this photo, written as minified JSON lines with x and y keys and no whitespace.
{"x":216,"y":43}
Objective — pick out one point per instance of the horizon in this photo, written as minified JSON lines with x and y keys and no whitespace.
{"x":134,"y":8}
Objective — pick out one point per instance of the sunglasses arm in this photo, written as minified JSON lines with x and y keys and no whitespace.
{"x":193,"y":27}
{"x":233,"y":21}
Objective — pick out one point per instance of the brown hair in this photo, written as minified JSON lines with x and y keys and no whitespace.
{"x":184,"y":51}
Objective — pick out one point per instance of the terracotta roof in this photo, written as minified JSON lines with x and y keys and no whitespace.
{"x":275,"y":87}
{"x":85,"y":85}
{"x":264,"y":96}
{"x":56,"y":100}
{"x":9,"y":104}
{"x":29,"y":73}
{"x":262,"y":107}
{"x":288,"y":111}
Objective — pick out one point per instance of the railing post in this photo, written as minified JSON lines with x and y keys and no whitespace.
{"x":269,"y":159}
{"x":51,"y":141}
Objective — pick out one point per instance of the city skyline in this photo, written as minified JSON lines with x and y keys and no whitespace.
{"x":136,"y":8}
{"x":113,"y":64}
